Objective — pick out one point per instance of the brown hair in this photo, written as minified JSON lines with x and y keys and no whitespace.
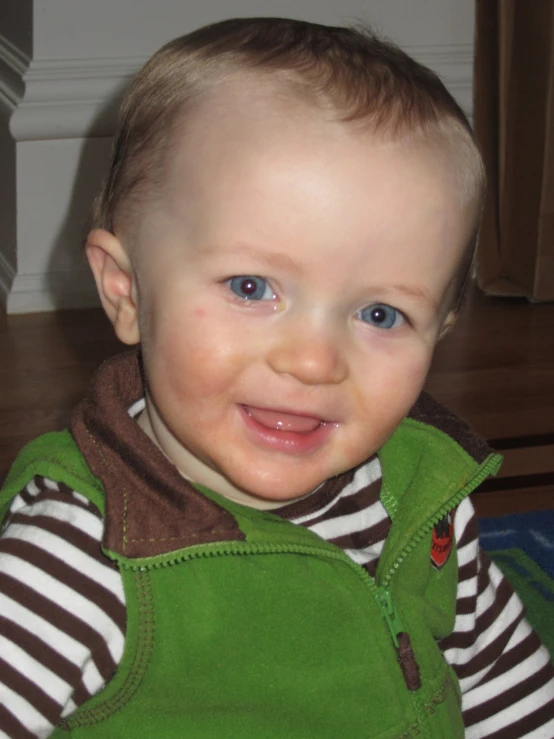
{"x":350,"y":71}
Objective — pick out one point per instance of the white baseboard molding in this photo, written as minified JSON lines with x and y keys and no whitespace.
{"x":40,"y":293}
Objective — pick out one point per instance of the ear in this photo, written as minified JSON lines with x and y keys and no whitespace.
{"x":115,"y":280}
{"x":448,"y":324}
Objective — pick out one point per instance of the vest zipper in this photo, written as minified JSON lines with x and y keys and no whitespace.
{"x":400,"y":638}
{"x":390,"y":614}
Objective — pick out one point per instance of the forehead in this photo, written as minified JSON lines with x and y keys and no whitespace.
{"x":262,"y":114}
{"x":262,"y":132}
{"x":256,"y":167}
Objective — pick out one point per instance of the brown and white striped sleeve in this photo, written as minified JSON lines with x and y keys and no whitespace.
{"x":505,"y":673}
{"x":62,"y":609}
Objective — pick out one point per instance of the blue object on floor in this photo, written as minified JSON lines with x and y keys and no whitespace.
{"x":532,"y":532}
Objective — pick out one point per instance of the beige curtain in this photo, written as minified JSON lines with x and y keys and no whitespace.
{"x":514,"y":124}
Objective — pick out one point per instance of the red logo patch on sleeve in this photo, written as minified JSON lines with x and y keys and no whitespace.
{"x":441,"y":545}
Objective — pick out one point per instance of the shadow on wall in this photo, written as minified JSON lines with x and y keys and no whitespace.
{"x":69,"y":280}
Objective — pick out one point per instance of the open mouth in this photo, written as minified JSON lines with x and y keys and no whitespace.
{"x":284,"y":431}
{"x":283,"y":421}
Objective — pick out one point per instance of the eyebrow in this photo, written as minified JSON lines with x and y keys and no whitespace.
{"x":272,"y":259}
{"x":413,"y":292}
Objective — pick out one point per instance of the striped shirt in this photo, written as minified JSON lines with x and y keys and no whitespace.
{"x":63,"y":610}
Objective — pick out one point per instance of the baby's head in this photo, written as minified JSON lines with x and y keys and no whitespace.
{"x":287,"y":228}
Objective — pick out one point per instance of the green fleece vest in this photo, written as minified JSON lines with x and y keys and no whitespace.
{"x":280,"y":634}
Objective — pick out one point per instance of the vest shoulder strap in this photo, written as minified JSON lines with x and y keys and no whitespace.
{"x":54,"y":455}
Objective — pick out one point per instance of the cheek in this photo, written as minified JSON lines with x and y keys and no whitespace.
{"x":410,"y":360}
{"x":399,"y":364}
{"x":390,"y":385}
{"x":194,"y":361}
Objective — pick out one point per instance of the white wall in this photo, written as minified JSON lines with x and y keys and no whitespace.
{"x":63,"y":65}
{"x":81,"y":28}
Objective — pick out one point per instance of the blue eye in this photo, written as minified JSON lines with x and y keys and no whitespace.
{"x":250,"y":287}
{"x":381,"y":316}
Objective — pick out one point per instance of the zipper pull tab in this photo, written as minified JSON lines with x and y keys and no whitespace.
{"x":400,"y":639}
{"x":392,"y":617}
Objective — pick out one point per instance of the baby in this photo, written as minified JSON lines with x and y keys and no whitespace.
{"x":258,"y":525}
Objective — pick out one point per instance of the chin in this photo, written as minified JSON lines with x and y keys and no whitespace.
{"x":278,"y":491}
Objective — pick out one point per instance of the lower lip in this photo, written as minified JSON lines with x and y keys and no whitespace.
{"x":287,"y":441}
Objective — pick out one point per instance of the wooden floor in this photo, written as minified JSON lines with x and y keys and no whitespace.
{"x":496,"y":370}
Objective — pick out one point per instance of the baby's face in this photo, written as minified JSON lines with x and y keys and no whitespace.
{"x":294,"y":280}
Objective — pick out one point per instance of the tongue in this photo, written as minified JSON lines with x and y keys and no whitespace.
{"x":283,"y":421}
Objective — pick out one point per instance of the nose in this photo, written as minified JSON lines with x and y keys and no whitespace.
{"x":310,"y":354}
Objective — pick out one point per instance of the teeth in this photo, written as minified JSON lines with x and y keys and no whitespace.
{"x":280,"y":421}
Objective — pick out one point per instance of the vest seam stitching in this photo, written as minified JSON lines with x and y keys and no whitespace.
{"x":143,"y":654}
